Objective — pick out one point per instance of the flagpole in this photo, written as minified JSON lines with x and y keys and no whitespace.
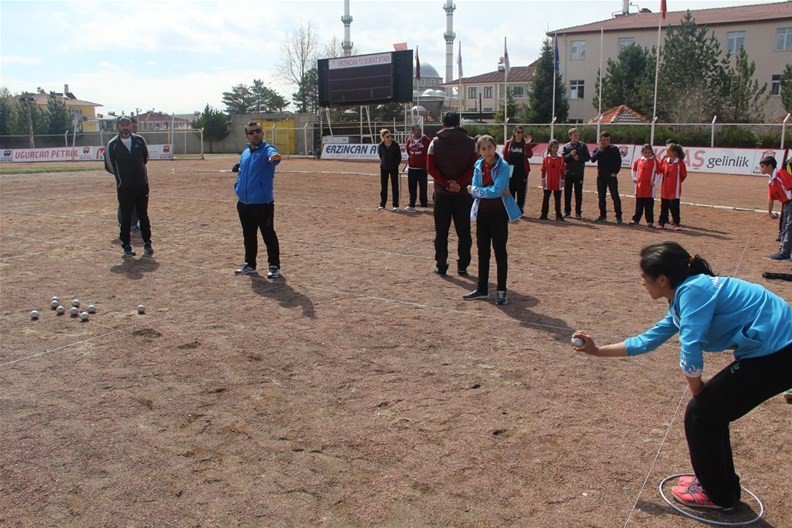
{"x":657,"y":75}
{"x":506,"y":66}
{"x":599,"y":97}
{"x":552,"y":119}
{"x":459,"y":93}
{"x":418,"y":99}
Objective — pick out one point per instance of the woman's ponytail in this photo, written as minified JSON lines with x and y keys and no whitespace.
{"x":673,"y":261}
{"x":700,"y":266}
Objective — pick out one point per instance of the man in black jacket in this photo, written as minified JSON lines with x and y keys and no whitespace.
{"x":125,"y":157}
{"x":609,"y":161}
{"x":450,"y":160}
{"x":576,"y":154}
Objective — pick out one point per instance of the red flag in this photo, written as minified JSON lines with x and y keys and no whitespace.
{"x":400,"y":46}
{"x":663,"y":8}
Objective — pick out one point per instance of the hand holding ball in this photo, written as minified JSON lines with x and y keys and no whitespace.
{"x":577,"y":342}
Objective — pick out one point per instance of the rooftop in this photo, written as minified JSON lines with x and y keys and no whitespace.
{"x":704,"y":17}
{"x":41,"y":99}
{"x":516,"y":74}
{"x":621,"y":114}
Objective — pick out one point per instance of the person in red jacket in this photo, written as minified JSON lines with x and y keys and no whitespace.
{"x":674,"y":173}
{"x":645,"y":175}
{"x":553,"y":170}
{"x":518,"y":152}
{"x":417,"y":146}
{"x":779,"y":188}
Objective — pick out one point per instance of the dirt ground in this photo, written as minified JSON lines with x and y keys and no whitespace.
{"x":359,"y":390}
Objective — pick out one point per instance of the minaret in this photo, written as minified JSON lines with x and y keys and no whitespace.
{"x":449,"y":35}
{"x":347,"y":20}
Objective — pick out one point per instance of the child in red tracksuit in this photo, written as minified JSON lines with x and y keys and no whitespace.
{"x":553,"y":170}
{"x":674,"y":173}
{"x":645,"y":172}
{"x":779,"y":188}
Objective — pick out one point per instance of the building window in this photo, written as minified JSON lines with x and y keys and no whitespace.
{"x":488,"y":92}
{"x":472,"y":92}
{"x":625,"y":42}
{"x":775,"y":85}
{"x":735,"y":40}
{"x":784,"y":39}
{"x":518,"y":92}
{"x":577,"y":50}
{"x":576,"y":89}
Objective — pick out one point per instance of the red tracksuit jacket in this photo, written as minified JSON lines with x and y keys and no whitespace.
{"x":553,"y":169}
{"x":416,"y":151}
{"x":674,"y":173}
{"x":780,"y":186}
{"x":645,"y":174}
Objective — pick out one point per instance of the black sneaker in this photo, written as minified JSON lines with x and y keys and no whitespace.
{"x":601,"y":219}
{"x":476,"y":295}
{"x":128,"y":251}
{"x":559,"y":218}
{"x":147,"y":249}
{"x":502,"y":298}
{"x":579,"y":216}
{"x":619,"y":221}
{"x":440,"y":271}
{"x":567,"y":215}
{"x":462,"y":272}
{"x":273,"y":273}
{"x":543,"y":217}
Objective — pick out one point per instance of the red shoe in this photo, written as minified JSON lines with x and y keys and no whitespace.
{"x":694,"y":496}
{"x":687,"y":480}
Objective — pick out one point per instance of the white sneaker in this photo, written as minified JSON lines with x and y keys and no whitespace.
{"x":409,"y":209}
{"x":245,"y":270}
{"x":395,"y":209}
{"x":273,"y":273}
{"x":380,"y":208}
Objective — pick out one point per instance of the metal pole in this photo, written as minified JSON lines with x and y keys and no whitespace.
{"x":273,"y":137}
{"x":202,"y":145}
{"x":783,"y":129}
{"x":599,"y":97}
{"x":552,"y":127}
{"x":361,"y":123}
{"x":599,"y":123}
{"x":506,"y":99}
{"x":305,"y":138}
{"x":657,"y":74}
{"x":66,"y":139}
{"x":555,"y":78}
{"x":712,"y":136}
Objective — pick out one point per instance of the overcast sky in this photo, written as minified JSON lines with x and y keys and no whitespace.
{"x":177,"y":56}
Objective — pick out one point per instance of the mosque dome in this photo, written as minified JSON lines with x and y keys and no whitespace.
{"x":427,"y":70}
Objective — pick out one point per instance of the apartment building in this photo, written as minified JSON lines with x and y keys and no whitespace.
{"x":764,"y":30}
{"x":484,"y":94}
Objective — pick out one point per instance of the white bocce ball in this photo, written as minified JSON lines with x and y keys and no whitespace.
{"x":34,"y":315}
{"x":56,"y":299}
{"x":54,"y":304}
{"x":60,"y":310}
{"x":76,"y":303}
{"x":91,"y":309}
{"x":141,"y":309}
{"x":84,"y":316}
{"x":577,"y":342}
{"x":73,"y":311}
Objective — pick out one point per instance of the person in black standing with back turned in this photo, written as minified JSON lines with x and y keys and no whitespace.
{"x":125,"y":157}
{"x":389,"y":153}
{"x":609,"y":161}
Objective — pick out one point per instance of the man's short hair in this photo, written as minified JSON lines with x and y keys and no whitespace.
{"x":251,"y":124}
{"x":123,"y":119}
{"x":605,"y":135}
{"x":573,"y":131}
{"x":451,"y":119}
{"x":769,"y":160}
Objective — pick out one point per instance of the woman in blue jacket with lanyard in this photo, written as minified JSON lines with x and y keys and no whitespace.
{"x":712,"y":313}
{"x":490,"y":183}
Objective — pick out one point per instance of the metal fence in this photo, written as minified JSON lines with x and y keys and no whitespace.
{"x":184,"y":142}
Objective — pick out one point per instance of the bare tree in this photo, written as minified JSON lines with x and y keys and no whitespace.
{"x":298,"y":54}
{"x":333,"y":48}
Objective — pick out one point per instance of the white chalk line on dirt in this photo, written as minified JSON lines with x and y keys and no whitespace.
{"x":403,"y":175}
{"x":676,"y":413}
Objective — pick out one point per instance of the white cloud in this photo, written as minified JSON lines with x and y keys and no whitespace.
{"x":7,"y":60}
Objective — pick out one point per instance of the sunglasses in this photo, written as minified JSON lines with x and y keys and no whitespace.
{"x":254,"y":131}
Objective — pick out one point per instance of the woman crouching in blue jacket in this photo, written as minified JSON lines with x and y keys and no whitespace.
{"x":490,"y":184}
{"x":712,"y":313}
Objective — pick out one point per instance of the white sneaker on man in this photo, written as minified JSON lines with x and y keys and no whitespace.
{"x":409,"y":209}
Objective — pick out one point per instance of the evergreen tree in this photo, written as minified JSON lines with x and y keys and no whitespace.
{"x":239,"y":100}
{"x":541,"y":97}
{"x":743,"y":98}
{"x":515,"y":114}
{"x":28,"y":116}
{"x":692,"y":72}
{"x":215,"y":123}
{"x":786,"y":88}
{"x":265,"y":99}
{"x":7,"y":114}
{"x":59,"y":119}
{"x":628,"y":80}
{"x":307,"y":95}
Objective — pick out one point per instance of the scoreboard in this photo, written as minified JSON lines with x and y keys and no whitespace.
{"x":367,"y":79}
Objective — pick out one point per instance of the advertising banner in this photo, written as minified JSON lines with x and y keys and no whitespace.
{"x":721,"y":160}
{"x":88,"y":153}
{"x":354,"y":151}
